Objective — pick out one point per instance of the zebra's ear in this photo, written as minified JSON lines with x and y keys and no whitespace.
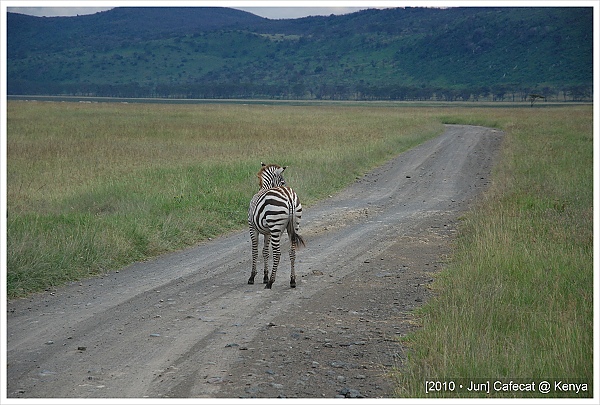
{"x":283,"y":168}
{"x":262,"y":164}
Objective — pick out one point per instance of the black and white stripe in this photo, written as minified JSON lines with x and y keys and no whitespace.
{"x":274,"y":210}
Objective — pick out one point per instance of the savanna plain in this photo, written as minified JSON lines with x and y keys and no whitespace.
{"x":92,"y":187}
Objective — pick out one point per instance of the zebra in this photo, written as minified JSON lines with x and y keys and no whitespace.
{"x":273,"y":210}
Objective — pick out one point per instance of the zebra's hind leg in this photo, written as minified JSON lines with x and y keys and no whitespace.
{"x":266,"y":258}
{"x":276,"y":257}
{"x":254,"y":238}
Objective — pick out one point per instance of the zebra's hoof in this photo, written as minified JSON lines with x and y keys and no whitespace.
{"x":251,"y":281}
{"x":268,"y":285}
{"x":293,"y":283}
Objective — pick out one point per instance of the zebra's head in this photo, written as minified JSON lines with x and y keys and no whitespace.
{"x":271,"y":176}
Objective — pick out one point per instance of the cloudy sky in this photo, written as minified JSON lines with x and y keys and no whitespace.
{"x":269,"y":9}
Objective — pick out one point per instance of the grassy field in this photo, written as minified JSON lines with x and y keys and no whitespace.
{"x":515,"y":302}
{"x":93,"y":187}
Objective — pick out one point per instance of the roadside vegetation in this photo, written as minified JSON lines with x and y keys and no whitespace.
{"x":516,"y":300}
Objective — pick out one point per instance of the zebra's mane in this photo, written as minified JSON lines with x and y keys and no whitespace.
{"x":267,"y":172}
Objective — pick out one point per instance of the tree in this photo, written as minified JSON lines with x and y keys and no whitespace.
{"x":534,"y":97}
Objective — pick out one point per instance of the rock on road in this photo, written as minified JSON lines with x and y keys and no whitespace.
{"x":187,"y":325}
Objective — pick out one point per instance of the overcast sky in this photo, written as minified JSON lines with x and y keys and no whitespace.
{"x":269,"y":12}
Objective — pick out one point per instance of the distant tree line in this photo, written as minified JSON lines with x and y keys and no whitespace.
{"x":301,"y":91}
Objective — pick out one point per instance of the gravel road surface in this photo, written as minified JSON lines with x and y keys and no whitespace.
{"x":187,"y":325}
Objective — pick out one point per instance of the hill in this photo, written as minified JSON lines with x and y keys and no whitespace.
{"x":402,"y":53}
{"x":110,"y":28}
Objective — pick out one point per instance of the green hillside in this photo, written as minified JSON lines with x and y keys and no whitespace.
{"x":403,"y":53}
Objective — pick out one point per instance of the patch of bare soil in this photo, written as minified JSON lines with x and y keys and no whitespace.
{"x":344,"y":342}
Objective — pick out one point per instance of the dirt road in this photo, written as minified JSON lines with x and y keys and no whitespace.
{"x":188,"y":325}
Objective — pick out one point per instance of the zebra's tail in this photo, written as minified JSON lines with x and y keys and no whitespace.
{"x":295,"y":238}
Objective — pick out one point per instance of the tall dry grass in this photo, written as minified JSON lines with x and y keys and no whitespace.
{"x":516,"y":300}
{"x":93,"y":187}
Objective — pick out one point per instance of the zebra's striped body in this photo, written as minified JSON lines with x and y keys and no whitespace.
{"x":274,"y":210}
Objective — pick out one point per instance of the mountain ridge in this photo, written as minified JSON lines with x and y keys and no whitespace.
{"x":400,"y":53}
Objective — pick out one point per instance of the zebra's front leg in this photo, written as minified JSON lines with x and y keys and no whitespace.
{"x":276,"y":257}
{"x":292,"y":261}
{"x":254,"y":238}
{"x":266,"y":258}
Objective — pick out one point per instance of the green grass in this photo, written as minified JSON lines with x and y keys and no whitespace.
{"x":93,"y":187}
{"x":516,"y":300}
